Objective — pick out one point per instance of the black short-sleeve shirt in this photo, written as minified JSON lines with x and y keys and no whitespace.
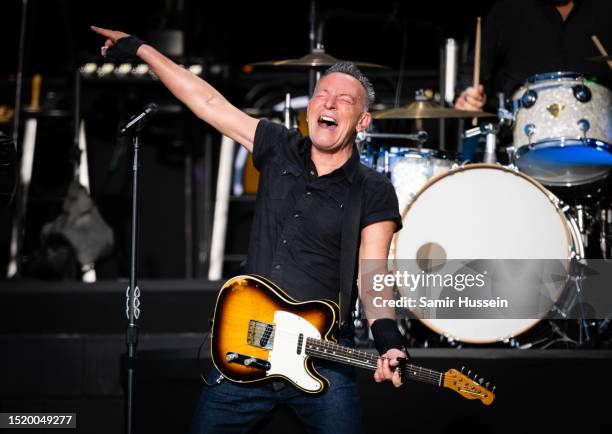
{"x":295,"y":240}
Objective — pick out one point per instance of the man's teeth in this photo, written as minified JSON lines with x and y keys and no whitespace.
{"x":328,"y":120}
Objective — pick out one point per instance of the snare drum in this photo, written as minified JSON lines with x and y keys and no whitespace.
{"x":563,"y":129}
{"x":485,"y":211}
{"x":414,"y":167}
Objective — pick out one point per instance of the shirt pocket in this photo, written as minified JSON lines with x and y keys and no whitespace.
{"x":281,"y":180}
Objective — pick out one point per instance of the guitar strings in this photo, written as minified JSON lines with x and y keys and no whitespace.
{"x":291,"y":336}
{"x":366,"y":359}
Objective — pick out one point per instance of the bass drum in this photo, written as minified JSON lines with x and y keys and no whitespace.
{"x":485,"y":211}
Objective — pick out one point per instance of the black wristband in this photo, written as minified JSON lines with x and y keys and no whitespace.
{"x":124,"y":49}
{"x":386,"y":335}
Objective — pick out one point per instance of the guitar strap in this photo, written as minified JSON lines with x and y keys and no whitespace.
{"x":349,"y":247}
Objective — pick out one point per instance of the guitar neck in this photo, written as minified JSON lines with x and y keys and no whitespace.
{"x":362,"y":359}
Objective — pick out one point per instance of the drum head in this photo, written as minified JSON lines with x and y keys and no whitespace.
{"x":566,"y":163}
{"x":483,"y":211}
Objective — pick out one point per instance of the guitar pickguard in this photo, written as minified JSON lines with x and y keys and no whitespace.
{"x":288,"y":356}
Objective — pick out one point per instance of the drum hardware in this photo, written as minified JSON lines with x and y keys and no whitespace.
{"x":605,"y":218}
{"x":581,"y":221}
{"x":490,"y":131}
{"x":420,"y":137}
{"x":289,"y":117}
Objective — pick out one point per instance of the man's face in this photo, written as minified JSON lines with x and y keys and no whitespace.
{"x":336,"y":112}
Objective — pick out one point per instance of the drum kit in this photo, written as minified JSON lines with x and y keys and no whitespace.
{"x":548,"y":202}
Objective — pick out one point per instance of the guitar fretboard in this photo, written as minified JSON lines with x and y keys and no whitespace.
{"x":351,"y":356}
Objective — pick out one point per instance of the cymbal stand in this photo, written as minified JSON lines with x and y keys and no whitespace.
{"x":313,"y":75}
{"x":289,"y":117}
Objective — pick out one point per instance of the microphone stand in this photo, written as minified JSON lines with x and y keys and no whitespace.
{"x":133,"y":292}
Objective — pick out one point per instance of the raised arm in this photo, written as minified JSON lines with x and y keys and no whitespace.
{"x":201,"y":98}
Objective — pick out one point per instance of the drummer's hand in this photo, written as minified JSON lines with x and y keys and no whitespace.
{"x":471,"y":99}
{"x":111,"y":36}
{"x":385,"y":365}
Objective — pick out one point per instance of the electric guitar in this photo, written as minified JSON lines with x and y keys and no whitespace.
{"x":260,"y":333}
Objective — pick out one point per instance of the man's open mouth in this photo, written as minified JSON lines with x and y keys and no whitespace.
{"x":327,"y":122}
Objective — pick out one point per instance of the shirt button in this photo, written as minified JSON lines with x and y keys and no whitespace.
{"x":312,"y":173}
{"x":284,"y":172}
{"x":284,"y":241}
{"x":296,"y":215}
{"x":277,"y":266}
{"x":308,"y":193}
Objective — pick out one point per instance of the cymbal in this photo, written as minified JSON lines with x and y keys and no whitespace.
{"x":427,"y":110}
{"x":599,"y":58}
{"x":316,"y":59}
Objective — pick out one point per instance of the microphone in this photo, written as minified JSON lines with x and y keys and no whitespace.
{"x":137,"y":121}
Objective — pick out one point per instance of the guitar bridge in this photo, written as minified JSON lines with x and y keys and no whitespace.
{"x":260,"y":334}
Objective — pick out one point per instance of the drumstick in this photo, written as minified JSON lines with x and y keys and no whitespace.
{"x":476,"y":63}
{"x":601,"y":49}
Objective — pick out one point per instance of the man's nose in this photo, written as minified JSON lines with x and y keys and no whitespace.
{"x":330,"y":102}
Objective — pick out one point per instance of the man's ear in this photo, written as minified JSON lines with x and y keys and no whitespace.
{"x":364,"y":122}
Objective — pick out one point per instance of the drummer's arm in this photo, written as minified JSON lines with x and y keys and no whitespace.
{"x":201,"y":98}
{"x":471,"y":98}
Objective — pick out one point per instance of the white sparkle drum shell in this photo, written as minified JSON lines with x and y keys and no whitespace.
{"x":485,"y":211}
{"x":415,"y":167}
{"x":562,"y":131}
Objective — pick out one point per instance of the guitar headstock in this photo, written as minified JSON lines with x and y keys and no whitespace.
{"x":468,"y":387}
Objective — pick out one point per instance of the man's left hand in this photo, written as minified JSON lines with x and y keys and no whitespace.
{"x":385,"y":367}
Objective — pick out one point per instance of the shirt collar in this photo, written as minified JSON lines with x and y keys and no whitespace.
{"x":349,"y":168}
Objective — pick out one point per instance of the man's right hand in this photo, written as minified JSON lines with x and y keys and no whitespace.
{"x":112,"y":36}
{"x":472,"y":99}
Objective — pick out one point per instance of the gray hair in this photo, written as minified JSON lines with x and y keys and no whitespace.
{"x":349,"y":68}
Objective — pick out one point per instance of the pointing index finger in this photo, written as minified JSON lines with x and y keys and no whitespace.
{"x":104,"y":32}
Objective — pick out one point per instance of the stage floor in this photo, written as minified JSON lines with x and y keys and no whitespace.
{"x":63,"y":344}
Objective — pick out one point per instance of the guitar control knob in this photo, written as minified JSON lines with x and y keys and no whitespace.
{"x":231,"y":356}
{"x":249,"y":361}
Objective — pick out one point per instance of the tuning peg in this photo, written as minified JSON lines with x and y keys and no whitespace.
{"x":475,"y":375}
{"x":462,"y":368}
{"x":493,"y":390}
{"x":481,"y":380}
{"x":487,"y":385}
{"x":469,"y":371}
